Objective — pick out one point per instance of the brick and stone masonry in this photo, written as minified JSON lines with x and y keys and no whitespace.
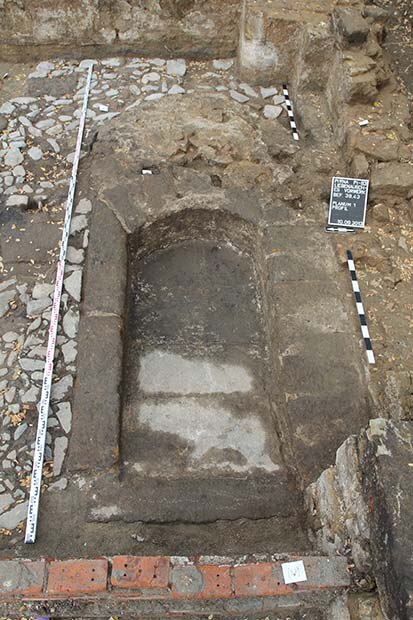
{"x":163,"y":577}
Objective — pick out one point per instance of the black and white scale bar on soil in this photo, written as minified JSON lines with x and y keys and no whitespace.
{"x":360,"y":308}
{"x":290,"y":113}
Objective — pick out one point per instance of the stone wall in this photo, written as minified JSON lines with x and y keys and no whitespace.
{"x":276,"y":36}
{"x":192,"y":28}
{"x":362,"y":508}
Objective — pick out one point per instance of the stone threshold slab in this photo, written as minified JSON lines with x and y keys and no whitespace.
{"x":192,"y":499}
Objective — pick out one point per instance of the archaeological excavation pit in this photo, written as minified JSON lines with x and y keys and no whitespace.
{"x":208,"y":392}
{"x":211,"y":404}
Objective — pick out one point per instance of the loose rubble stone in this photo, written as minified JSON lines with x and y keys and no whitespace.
{"x":113,"y":63}
{"x":24,"y":101}
{"x":19,"y":171}
{"x":35,"y":153}
{"x":238,"y":96}
{"x":79,"y":222}
{"x":7,"y":108}
{"x":5,"y":298}
{"x":69,"y":352}
{"x":17,"y":200}
{"x":13,"y":157}
{"x":31,"y":396}
{"x":150,"y":77}
{"x":176,"y":90}
{"x":9,"y":520}
{"x":54,"y":145}
{"x":64,"y":415}
{"x":222,"y":65}
{"x":46,"y":124}
{"x":176,"y":67}
{"x":154,"y":97}
{"x":84,"y":206}
{"x":3,"y":123}
{"x":248,"y":90}
{"x":61,"y":388}
{"x":6,"y":283}
{"x":73,"y":284}
{"x":268,"y":92}
{"x":42,"y":70}
{"x":272,"y":111}
{"x":158,"y":62}
{"x":20,"y":430}
{"x":60,"y":447}
{"x":71,"y":323}
{"x":42,"y":289}
{"x":75,"y":256}
{"x":59,"y":485}
{"x":10,"y":337}
{"x":31,"y":364}
{"x":6,"y":500}
{"x":36,"y":306}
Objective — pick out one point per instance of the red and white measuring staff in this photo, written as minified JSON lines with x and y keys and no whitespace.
{"x":37,"y":470}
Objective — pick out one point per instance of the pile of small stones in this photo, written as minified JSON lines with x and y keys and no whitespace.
{"x":37,"y":139}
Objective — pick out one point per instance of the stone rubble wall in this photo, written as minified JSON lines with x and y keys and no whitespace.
{"x":362,"y":508}
{"x":191,"y":28}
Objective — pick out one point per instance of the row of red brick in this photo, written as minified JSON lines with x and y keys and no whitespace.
{"x":161,"y":577}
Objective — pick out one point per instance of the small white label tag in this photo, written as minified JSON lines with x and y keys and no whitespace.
{"x":293,"y":572}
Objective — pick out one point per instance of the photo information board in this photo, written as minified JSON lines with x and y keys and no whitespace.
{"x":348,"y":202}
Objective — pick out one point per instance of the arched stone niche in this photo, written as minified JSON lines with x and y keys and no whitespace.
{"x":197,"y":377}
{"x":192,"y":428}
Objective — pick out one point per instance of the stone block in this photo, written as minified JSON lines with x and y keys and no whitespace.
{"x":199,"y":581}
{"x":388,"y":482}
{"x":392,"y":178}
{"x":106,"y":268}
{"x":271,"y":37}
{"x":351,"y":25}
{"x":97,"y":400}
{"x":22,"y":577}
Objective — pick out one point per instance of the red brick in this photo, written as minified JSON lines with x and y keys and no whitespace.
{"x":217,"y":582}
{"x":140,"y":572}
{"x":201,"y":581}
{"x":21,"y":577}
{"x":259,"y":580}
{"x":75,"y":577}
